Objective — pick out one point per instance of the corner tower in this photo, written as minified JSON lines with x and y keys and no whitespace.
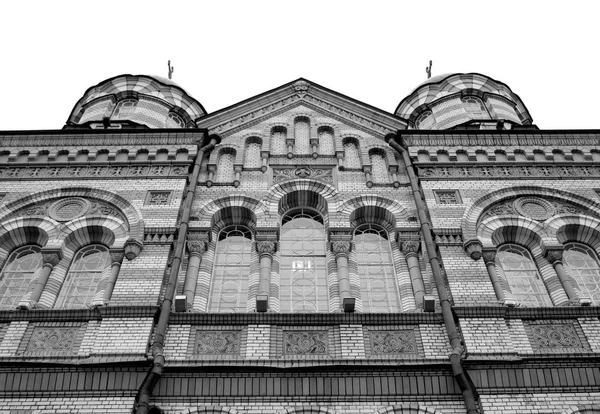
{"x":135,"y":101}
{"x":466,"y":99}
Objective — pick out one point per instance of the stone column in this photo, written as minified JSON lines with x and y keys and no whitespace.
{"x":489,"y":258}
{"x":411,"y":253}
{"x":196,"y":244}
{"x":266,"y":249}
{"x":238,"y":173}
{"x":290,"y":147}
{"x":554,"y":256}
{"x":341,"y":248}
{"x":314,"y":144}
{"x":367,"y":171}
{"x":116,"y":258}
{"x":50,"y":259}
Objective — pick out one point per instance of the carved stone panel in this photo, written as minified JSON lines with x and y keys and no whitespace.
{"x":535,"y":208}
{"x":305,"y":343}
{"x":393,"y":342}
{"x":70,"y":208}
{"x":217,"y":342}
{"x":52,"y":340}
{"x":323,"y":174}
{"x":556,"y":336}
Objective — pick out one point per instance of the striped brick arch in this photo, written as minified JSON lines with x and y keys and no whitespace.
{"x":108,"y":231}
{"x":408,"y":408}
{"x":22,"y":231}
{"x":372,"y":209}
{"x":471,"y":217}
{"x":134,"y":225}
{"x":496,"y":231}
{"x":213,"y":410}
{"x":583,"y":409}
{"x":233,"y":215}
{"x":276,"y":200}
{"x":574,"y":228}
{"x":206,"y":211}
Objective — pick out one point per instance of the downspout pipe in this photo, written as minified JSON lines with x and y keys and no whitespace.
{"x":155,"y":373}
{"x":464,"y":382}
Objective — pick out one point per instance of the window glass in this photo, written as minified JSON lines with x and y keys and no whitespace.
{"x":231,"y":271}
{"x":523,"y":277}
{"x":378,"y":285}
{"x":303,"y":266}
{"x":174,"y":121}
{"x":18,"y":275}
{"x":581,"y":264}
{"x":83,"y":279}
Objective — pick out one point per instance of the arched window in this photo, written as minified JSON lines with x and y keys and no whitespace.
{"x":278,"y":140}
{"x":326,"y":141}
{"x":425,"y":120}
{"x":124,"y":108}
{"x":380,"y":172}
{"x":252,"y":157}
{"x":303,"y":267}
{"x":475,"y":107}
{"x":302,"y":135}
{"x":351,"y":155}
{"x":524,"y":280}
{"x":174,"y":121}
{"x":225,"y":166}
{"x":18,"y":275}
{"x":89,"y":266}
{"x":581,"y":263}
{"x":378,"y":286}
{"x":231,"y":269}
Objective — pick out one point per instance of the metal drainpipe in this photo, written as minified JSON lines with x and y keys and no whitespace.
{"x":155,"y":373}
{"x":461,"y":377}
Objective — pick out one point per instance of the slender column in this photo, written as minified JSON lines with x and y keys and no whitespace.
{"x":211,"y":175}
{"x":411,"y":252}
{"x":196,"y":244}
{"x":340,"y":160}
{"x":265,"y":249}
{"x":314,"y":143}
{"x":367,"y":171}
{"x":116,"y":258}
{"x":290,"y":147}
{"x":489,"y":258}
{"x":50,"y":259}
{"x":265,"y":161}
{"x":554,"y":256}
{"x":341,"y":248}
{"x":238,"y":171}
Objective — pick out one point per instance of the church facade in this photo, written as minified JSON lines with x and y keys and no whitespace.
{"x":300,"y":252}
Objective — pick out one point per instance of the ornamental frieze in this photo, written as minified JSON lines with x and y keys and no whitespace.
{"x":68,"y":209}
{"x":53,"y":340}
{"x":393,"y":342}
{"x":305,"y":343}
{"x":555,"y":337}
{"x":304,"y":171}
{"x":137,"y":171}
{"x":498,"y":140}
{"x":535,"y":208}
{"x":512,"y":171}
{"x":217,"y":343}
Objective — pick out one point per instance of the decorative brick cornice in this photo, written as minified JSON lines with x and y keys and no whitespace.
{"x":100,"y":171}
{"x":521,"y":172}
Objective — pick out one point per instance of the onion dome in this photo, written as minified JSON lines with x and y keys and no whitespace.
{"x":452,"y":99}
{"x":135,"y":101}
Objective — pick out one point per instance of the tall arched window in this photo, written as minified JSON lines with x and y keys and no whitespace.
{"x":231,"y":269}
{"x":18,"y":275}
{"x":380,"y":171}
{"x":303,"y":267}
{"x":378,"y":286}
{"x":326,"y":141}
{"x":302,"y":135}
{"x":518,"y":268}
{"x":252,"y":157}
{"x":581,"y":263}
{"x":225,"y":166}
{"x":351,"y":155}
{"x":90,"y":265}
{"x":278,"y":138}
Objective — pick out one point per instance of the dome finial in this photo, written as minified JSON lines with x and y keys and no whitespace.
{"x":171,"y":70}
{"x":428,"y":70}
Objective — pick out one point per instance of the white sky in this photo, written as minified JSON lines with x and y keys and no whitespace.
{"x":226,"y":51}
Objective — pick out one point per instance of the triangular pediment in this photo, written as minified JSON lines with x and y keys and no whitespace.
{"x":302,"y":93}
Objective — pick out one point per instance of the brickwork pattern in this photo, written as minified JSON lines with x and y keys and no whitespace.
{"x":486,"y":336}
{"x":537,"y":403}
{"x":53,"y":405}
{"x":123,"y":336}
